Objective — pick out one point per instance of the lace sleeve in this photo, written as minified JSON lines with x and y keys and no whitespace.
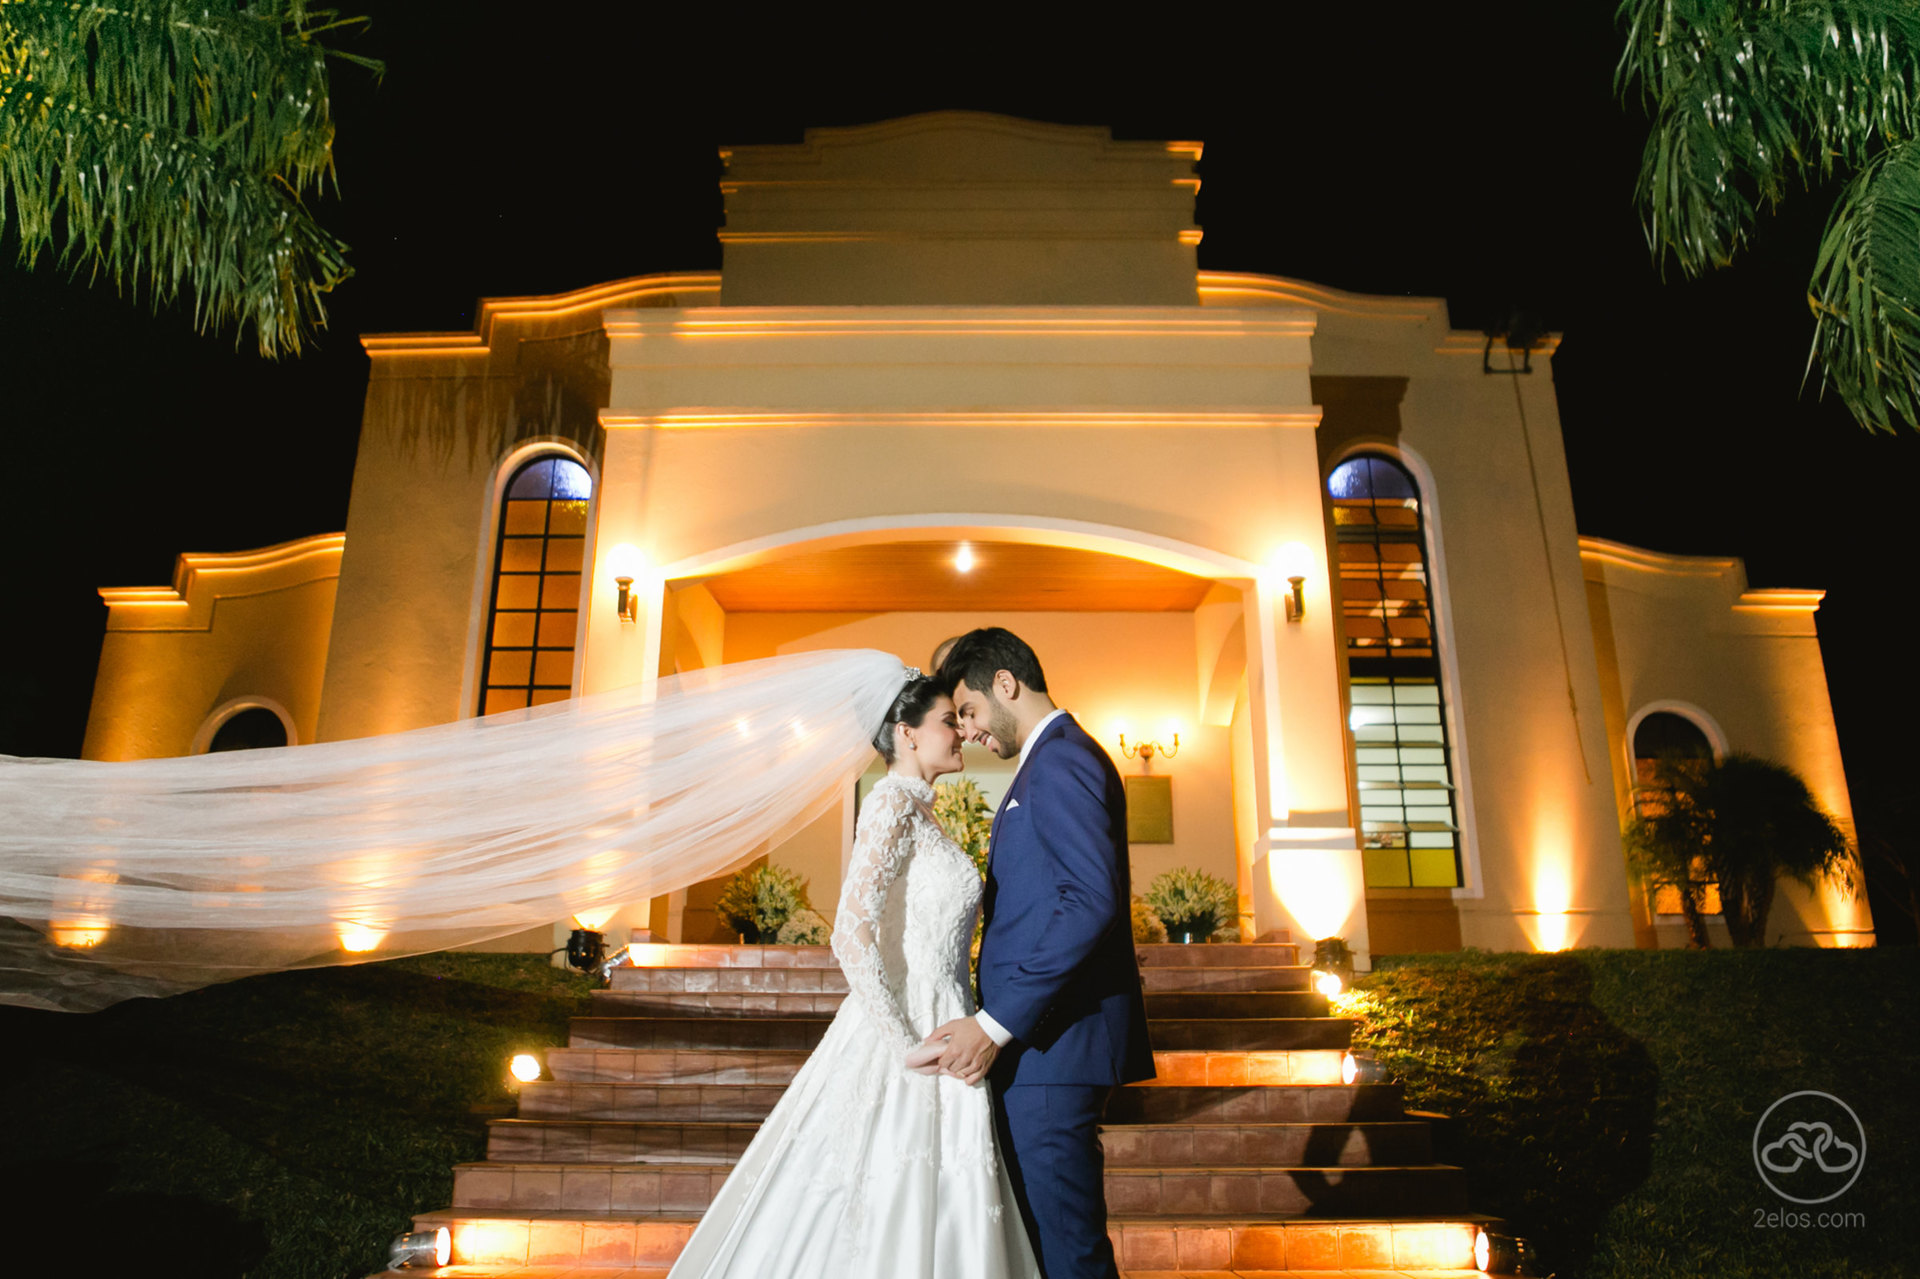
{"x":880,"y":848}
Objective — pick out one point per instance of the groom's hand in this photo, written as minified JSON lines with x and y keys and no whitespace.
{"x":970,"y":1050}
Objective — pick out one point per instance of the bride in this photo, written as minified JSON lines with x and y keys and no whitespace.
{"x":867,"y":1166}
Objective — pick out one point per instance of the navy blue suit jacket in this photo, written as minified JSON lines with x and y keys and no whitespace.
{"x":1057,"y":966}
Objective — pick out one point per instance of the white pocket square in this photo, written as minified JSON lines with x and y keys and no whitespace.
{"x":1012,"y":804}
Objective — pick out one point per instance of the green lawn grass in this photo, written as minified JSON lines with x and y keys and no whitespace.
{"x":282,"y":1127}
{"x":1604,"y":1102}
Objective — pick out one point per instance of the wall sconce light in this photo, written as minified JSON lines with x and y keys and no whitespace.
{"x":625,"y":561}
{"x":1147,"y":750}
{"x":1295,"y":561}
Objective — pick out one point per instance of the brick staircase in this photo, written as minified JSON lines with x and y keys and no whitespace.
{"x":1246,"y":1155}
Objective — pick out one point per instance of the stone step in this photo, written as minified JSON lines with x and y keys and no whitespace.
{"x":743,"y":981}
{"x":689,"y":955}
{"x":1436,"y":1247}
{"x":569,"y":1141}
{"x":1164,"y":1146}
{"x":1233,"y":1005}
{"x":1395,"y":1192}
{"x":804,"y":1004}
{"x":1167,"y":1104}
{"x":1196,"y":1069}
{"x":1397,"y":1143}
{"x":1282,"y":1104}
{"x":684,"y":1103}
{"x":1160,"y":979}
{"x":743,"y":1067}
{"x":1225,"y":955}
{"x":1264,"y":1034}
{"x":718,"y":1003}
{"x":696,"y":1034}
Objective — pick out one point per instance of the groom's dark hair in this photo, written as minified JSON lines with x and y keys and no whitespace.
{"x":978,"y":655}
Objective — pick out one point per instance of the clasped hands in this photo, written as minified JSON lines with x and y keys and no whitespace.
{"x":964,"y":1051}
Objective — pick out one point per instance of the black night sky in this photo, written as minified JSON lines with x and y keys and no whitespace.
{"x":1474,"y":153}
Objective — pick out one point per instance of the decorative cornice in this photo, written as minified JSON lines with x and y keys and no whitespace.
{"x":1598,"y":550}
{"x":921,"y":321}
{"x":1779,"y":600}
{"x":1305,"y":419}
{"x":705,"y":286}
{"x":1238,"y":289}
{"x":200,"y":580}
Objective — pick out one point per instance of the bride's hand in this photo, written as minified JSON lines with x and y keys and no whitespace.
{"x":969,"y":1051}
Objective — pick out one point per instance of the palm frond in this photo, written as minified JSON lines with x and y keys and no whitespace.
{"x":1753,"y":100}
{"x":1865,"y":293}
{"x":168,"y":145}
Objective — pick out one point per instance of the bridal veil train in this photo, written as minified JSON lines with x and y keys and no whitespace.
{"x":146,"y":877}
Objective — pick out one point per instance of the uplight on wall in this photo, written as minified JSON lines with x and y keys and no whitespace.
{"x":1294,"y":562}
{"x":963,"y":559}
{"x":625,"y":562}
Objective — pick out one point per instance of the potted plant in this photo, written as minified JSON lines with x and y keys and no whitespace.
{"x":758,"y":901}
{"x":1147,"y":927}
{"x":1192,"y":904}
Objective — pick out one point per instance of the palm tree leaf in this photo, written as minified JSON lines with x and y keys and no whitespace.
{"x":1865,"y":293}
{"x":1751,"y":101}
{"x":167,"y":146}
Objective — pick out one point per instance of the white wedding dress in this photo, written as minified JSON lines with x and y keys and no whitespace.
{"x":865,"y":1168}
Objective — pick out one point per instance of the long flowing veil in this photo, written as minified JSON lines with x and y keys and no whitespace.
{"x":154,"y":876}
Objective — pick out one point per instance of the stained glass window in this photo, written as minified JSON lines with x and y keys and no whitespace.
{"x":1403,"y":762}
{"x":535,"y":611}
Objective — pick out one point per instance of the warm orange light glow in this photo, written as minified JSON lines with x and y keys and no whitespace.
{"x":626,"y":560}
{"x":1328,"y":984}
{"x":964,"y":560}
{"x":1293,"y":560}
{"x":526,"y":1068}
{"x":1320,"y":888}
{"x":490,"y":1243}
{"x":80,"y":934}
{"x":594,"y":920}
{"x":357,"y":938}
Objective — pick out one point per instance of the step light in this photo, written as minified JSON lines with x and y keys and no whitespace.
{"x":1495,"y":1253}
{"x":525,"y":1067}
{"x":1360,"y":1070}
{"x":421,"y":1248}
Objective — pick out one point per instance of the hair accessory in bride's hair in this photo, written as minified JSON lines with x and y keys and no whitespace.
{"x":913,"y":672}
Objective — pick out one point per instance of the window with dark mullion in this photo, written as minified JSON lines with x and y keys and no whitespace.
{"x":1403,"y":762}
{"x":534,"y":614}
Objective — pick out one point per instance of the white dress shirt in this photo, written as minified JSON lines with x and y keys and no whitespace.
{"x":995,"y":1031}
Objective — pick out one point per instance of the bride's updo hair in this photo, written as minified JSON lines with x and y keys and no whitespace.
{"x":909,"y":708}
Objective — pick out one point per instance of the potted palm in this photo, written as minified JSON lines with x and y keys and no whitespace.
{"x":1191,"y":904}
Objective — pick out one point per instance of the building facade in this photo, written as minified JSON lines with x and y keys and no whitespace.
{"x":958,"y":370}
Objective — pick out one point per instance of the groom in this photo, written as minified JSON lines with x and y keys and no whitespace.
{"x":1061,"y":1019}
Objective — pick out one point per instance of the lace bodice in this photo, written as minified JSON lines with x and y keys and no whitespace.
{"x":906,"y":915}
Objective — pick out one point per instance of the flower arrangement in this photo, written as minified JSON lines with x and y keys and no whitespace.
{"x":1146,"y":925}
{"x":758,"y":901}
{"x":1193,"y":905}
{"x":805,"y":928}
{"x":961,"y":809}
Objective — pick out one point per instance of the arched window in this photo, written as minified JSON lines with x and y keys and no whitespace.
{"x":1403,"y":761}
{"x":249,"y":729}
{"x":535,"y":610}
{"x":1663,"y":735}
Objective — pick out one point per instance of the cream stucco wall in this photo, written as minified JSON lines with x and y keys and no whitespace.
{"x":1685,"y":634}
{"x":236,"y":630}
